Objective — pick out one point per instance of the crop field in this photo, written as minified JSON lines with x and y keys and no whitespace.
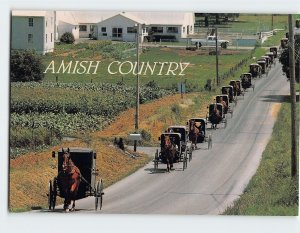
{"x":42,"y":113}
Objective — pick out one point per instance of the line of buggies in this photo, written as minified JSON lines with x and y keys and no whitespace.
{"x":225,"y":102}
{"x":179,"y":141}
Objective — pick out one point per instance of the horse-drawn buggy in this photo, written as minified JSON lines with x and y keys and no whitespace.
{"x":183,"y":137}
{"x":228,"y":90}
{"x":271,"y":56}
{"x":216,"y":115}
{"x":255,"y":70}
{"x":274,"y":51}
{"x":237,"y":88}
{"x":170,"y":151}
{"x":284,"y":43}
{"x":246,"y":80}
{"x":268,"y":61}
{"x":198,"y":132}
{"x":263,"y":65}
{"x":224,"y":100}
{"x":76,"y":178}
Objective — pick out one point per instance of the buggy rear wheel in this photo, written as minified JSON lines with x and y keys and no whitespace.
{"x":184,"y":162}
{"x":99,"y":195}
{"x":209,"y":142}
{"x":51,"y":195}
{"x":155,"y":161}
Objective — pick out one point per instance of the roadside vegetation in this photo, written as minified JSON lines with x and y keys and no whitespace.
{"x":272,"y":191}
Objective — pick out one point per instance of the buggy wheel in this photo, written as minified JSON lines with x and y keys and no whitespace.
{"x":101,"y":194}
{"x":190,"y":155}
{"x":97,"y":187}
{"x":156,"y":160}
{"x":209,"y":142}
{"x":49,"y":194}
{"x":54,"y":193}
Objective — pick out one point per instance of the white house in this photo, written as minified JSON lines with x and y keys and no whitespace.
{"x":33,"y":30}
{"x":175,"y":26}
{"x":65,"y":21}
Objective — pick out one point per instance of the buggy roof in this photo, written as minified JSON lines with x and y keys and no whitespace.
{"x":252,"y":64}
{"x":197,"y":119}
{"x":177,"y":126}
{"x":171,"y":134}
{"x":78,"y":150}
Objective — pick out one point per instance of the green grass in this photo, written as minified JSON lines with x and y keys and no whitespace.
{"x":253,"y":23}
{"x":202,"y":67}
{"x":272,"y":191}
{"x":274,"y":40}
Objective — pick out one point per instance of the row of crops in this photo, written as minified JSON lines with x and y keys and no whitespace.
{"x":107,"y":49}
{"x":43,"y":113}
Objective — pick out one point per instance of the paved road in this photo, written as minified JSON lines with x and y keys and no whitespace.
{"x":214,"y":178}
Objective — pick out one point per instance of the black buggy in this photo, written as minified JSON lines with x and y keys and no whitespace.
{"x":226,"y":105}
{"x":85,"y":160}
{"x":183,"y":137}
{"x":237,"y":88}
{"x":274,"y":50}
{"x":255,"y":70}
{"x":180,"y":156}
{"x":246,"y":80}
{"x":201,"y":123}
{"x":214,"y":121}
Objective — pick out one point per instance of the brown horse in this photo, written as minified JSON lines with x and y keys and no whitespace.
{"x":193,"y":134}
{"x":70,"y":180}
{"x":169,"y":152}
{"x":215,"y":117}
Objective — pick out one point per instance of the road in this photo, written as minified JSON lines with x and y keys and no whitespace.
{"x":215,"y":177}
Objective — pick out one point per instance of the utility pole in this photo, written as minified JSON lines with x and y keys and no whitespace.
{"x":293,"y":97}
{"x":137,"y":106}
{"x":217,"y":59}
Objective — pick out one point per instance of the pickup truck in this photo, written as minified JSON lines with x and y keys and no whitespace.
{"x":209,"y":41}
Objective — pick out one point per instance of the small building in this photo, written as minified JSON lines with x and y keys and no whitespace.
{"x":157,"y":26}
{"x":33,"y":30}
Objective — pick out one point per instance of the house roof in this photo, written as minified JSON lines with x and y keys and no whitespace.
{"x":159,"y":18}
{"x":92,"y":16}
{"x":165,"y":18}
{"x":29,"y":13}
{"x":67,"y":17}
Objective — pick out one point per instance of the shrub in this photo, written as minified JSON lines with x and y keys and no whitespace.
{"x":67,"y":38}
{"x":26,"y":66}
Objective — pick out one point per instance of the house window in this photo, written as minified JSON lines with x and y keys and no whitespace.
{"x":104,"y":34}
{"x":46,"y":38}
{"x":131,"y":30}
{"x":30,"y":38}
{"x":183,"y":29}
{"x":82,"y":28}
{"x":117,"y":32}
{"x":103,"y":29}
{"x":157,"y":29}
{"x":172,"y":29}
{"x":30,"y":22}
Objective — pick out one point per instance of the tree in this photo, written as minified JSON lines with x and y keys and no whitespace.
{"x":25,"y":66}
{"x":284,"y":59}
{"x":67,"y":38}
